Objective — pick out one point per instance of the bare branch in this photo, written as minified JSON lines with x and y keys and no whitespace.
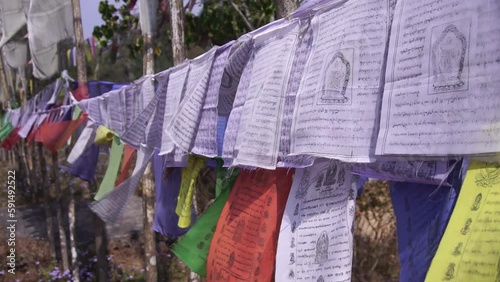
{"x":247,"y":23}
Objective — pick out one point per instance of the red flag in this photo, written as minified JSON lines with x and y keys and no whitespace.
{"x":128,"y":152}
{"x":244,"y":244}
{"x":82,"y":92}
{"x":54,"y":135}
{"x":11,"y":140}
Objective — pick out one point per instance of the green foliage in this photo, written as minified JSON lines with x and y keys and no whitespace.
{"x":116,"y":20}
{"x":220,"y":22}
{"x":122,"y":43}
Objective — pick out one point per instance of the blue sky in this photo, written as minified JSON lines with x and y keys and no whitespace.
{"x":90,"y":16}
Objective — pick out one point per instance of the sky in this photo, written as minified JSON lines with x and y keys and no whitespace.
{"x":90,"y":16}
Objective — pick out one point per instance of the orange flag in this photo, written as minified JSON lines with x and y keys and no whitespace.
{"x":244,"y":245}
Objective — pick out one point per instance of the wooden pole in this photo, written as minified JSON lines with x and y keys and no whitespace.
{"x":81,"y":65}
{"x":62,"y":232}
{"x":46,"y":202}
{"x":178,"y":46}
{"x":148,"y":185}
{"x":3,"y":81}
{"x":10,"y":81}
{"x":101,"y":241}
{"x":179,"y":56}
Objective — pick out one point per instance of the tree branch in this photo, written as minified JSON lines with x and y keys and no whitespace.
{"x":247,"y":23}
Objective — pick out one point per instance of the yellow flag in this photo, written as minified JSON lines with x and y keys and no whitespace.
{"x":185,"y":198}
{"x":103,"y":136}
{"x":470,"y":248}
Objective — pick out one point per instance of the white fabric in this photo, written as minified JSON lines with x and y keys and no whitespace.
{"x":85,"y":139}
{"x":13,"y":16}
{"x":49,"y":23}
{"x":15,"y":53}
{"x":113,"y":205}
{"x":147,"y":16}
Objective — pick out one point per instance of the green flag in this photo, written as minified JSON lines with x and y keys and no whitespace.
{"x":76,"y":112}
{"x":108,"y":182}
{"x":5,"y":131}
{"x":193,"y":247}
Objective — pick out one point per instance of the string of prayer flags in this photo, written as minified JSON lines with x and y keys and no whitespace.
{"x":422,"y":213}
{"x":185,"y":199}
{"x":109,"y":180}
{"x":470,"y":247}
{"x":316,"y":235}
{"x":243,"y":247}
{"x":201,"y":233}
{"x":167,"y":186}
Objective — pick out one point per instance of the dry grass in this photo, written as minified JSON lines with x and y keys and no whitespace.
{"x":375,"y":242}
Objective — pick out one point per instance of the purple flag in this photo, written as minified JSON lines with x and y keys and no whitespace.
{"x":167,"y":190}
{"x":221,"y":130}
{"x":422,"y":212}
{"x":85,"y":166}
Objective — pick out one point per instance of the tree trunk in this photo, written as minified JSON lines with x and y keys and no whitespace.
{"x":177,"y":18}
{"x":72,"y":233}
{"x":9,"y":81}
{"x":46,"y":203}
{"x":101,"y":241}
{"x":101,"y":245}
{"x":285,"y":7}
{"x":81,"y":65}
{"x":62,"y":231}
{"x":72,"y":220}
{"x":179,"y":56}
{"x":20,"y":166}
{"x":3,"y":82}
{"x":148,"y":186}
{"x":148,"y":202}
{"x":37,"y":184}
{"x":10,"y":156}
